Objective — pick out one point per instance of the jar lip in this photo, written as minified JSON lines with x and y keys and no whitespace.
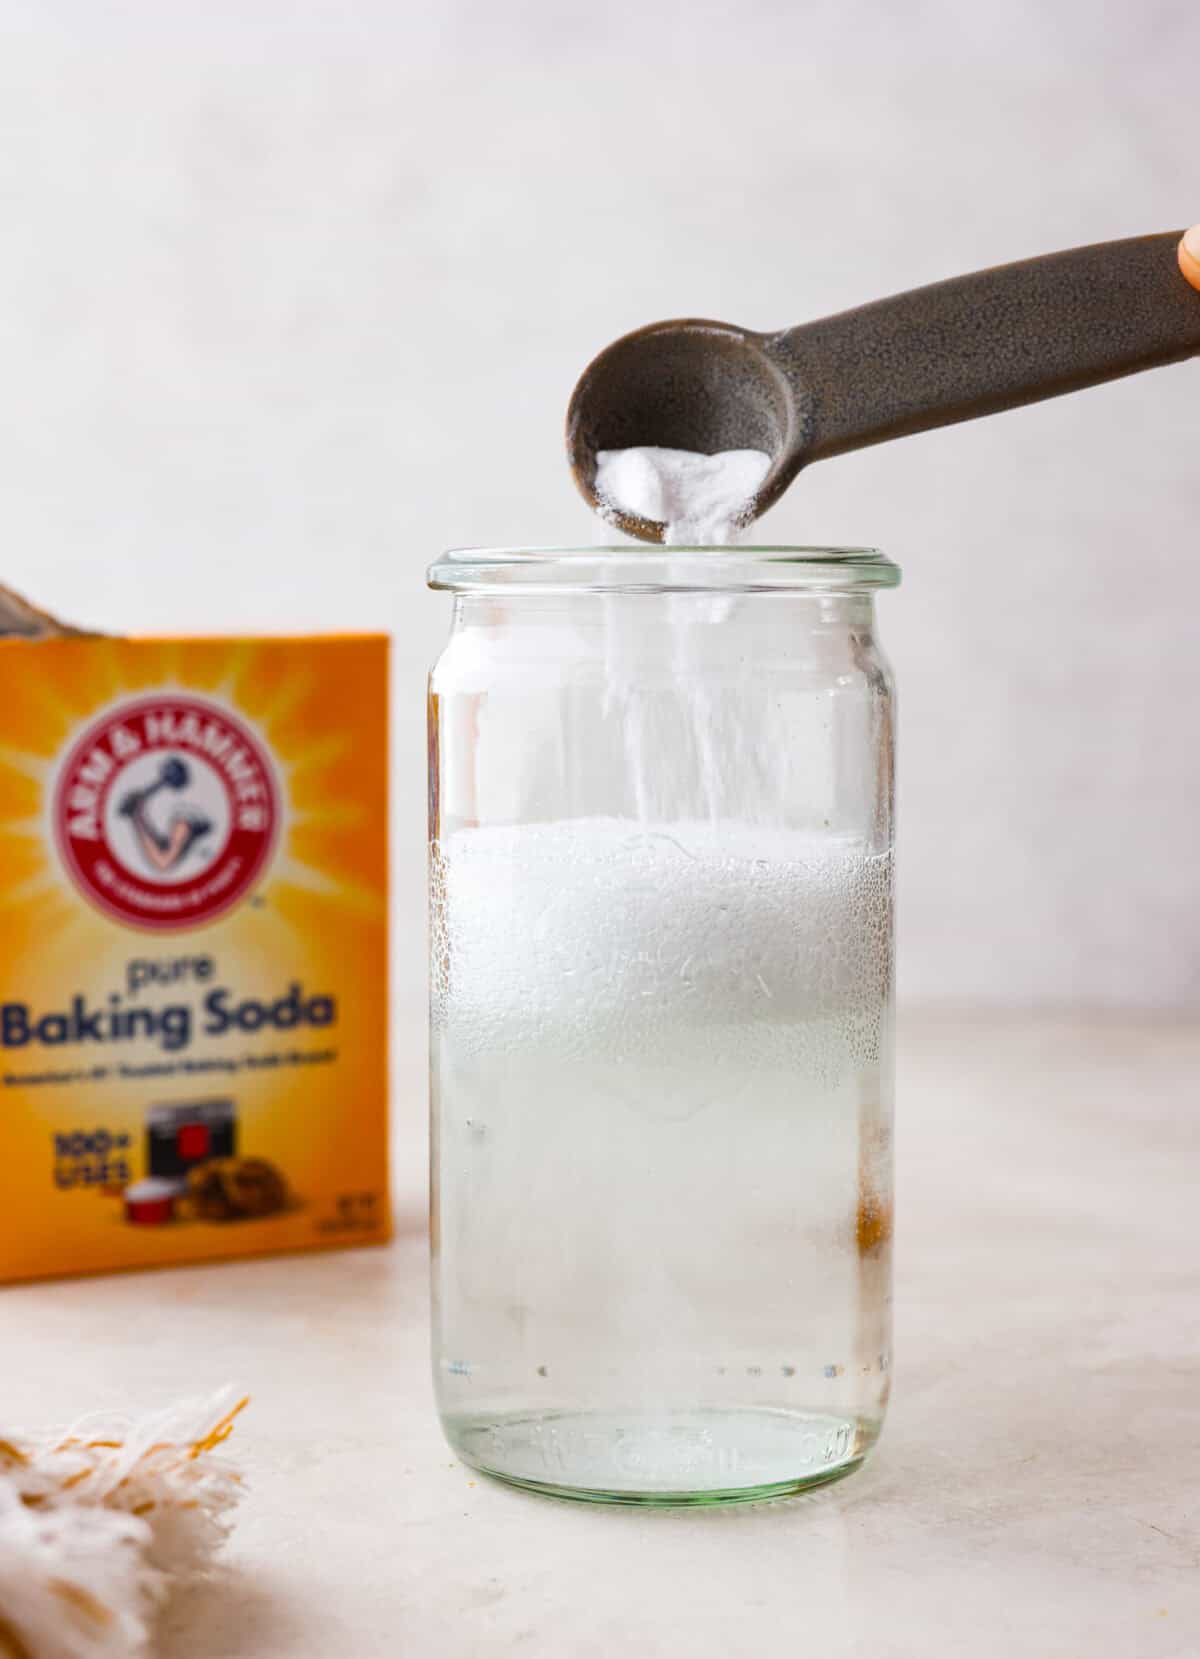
{"x":628,"y":568}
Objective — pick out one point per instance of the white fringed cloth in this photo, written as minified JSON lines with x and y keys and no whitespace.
{"x":97,"y":1521}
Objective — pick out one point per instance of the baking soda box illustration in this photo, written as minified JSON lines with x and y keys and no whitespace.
{"x":193,"y":949}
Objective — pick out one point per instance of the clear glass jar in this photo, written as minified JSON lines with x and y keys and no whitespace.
{"x":661,"y":787}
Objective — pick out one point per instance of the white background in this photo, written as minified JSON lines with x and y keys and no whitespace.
{"x":293,"y":294}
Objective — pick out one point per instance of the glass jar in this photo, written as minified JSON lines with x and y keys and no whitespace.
{"x":661,"y":790}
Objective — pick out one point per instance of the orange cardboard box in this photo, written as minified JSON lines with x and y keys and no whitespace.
{"x":193,"y":949}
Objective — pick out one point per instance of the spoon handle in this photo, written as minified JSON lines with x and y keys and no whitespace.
{"x":989,"y":341}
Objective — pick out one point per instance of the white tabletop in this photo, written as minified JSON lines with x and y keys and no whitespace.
{"x":1034,"y":1491}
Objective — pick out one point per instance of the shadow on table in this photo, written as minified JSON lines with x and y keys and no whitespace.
{"x":227,"y":1616}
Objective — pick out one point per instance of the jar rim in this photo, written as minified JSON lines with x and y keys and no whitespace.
{"x":628,"y":568}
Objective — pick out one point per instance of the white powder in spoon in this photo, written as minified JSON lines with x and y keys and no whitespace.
{"x":703,"y":500}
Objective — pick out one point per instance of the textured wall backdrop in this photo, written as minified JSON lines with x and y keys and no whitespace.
{"x":265,"y":269}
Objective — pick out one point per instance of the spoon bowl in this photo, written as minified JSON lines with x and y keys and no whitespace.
{"x":686,"y":384}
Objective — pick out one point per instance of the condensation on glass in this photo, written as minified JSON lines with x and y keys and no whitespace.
{"x":661,"y":788}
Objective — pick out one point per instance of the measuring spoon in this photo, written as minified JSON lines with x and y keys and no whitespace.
{"x":952,"y":351}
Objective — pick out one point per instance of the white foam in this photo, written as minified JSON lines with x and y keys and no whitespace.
{"x":699,"y":950}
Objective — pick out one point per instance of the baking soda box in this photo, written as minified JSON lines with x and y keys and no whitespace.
{"x":193,"y":949}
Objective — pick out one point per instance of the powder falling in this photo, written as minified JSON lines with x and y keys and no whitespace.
{"x":703,"y":500}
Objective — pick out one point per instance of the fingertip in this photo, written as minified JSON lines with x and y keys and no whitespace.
{"x":1189,"y":256}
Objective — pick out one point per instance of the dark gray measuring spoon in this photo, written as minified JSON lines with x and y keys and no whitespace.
{"x":950,"y":352}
